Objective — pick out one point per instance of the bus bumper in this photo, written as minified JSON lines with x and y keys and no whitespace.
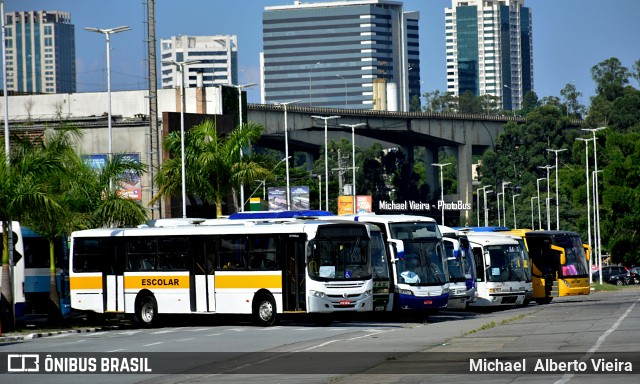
{"x":422,"y":303}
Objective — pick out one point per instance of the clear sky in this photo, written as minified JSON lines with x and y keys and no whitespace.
{"x":569,"y":37}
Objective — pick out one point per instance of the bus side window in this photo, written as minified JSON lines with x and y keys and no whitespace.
{"x":232,"y":253}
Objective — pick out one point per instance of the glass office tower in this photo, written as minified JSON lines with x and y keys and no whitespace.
{"x":41,"y":52}
{"x":489,"y":49}
{"x":361,"y":54}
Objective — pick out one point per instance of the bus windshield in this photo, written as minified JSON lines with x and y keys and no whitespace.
{"x":423,"y":263}
{"x":506,"y":263}
{"x":455,"y":263}
{"x":576,"y":260}
{"x":336,"y":260}
{"x":379,"y":256}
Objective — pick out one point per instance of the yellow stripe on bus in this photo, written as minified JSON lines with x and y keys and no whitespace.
{"x":156,"y":282}
{"x":248,"y":281}
{"x":85,"y":282}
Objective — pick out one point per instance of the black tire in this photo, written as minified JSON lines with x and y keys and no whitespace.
{"x":545,"y":300}
{"x":146,"y":311}
{"x":322,"y":319}
{"x":619,"y":282}
{"x":265,"y":311}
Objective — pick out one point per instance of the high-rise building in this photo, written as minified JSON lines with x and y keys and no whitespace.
{"x":361,"y":54}
{"x":489,"y":49}
{"x":217,"y":55}
{"x":40,"y":52}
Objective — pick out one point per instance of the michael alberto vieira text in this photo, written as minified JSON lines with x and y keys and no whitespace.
{"x":550,"y":365}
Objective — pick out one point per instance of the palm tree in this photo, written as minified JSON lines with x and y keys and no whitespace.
{"x":213,"y":163}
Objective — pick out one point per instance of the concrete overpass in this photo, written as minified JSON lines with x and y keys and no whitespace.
{"x":468,"y":133}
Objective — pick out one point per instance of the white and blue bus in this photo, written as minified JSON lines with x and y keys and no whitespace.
{"x":462,"y":273}
{"x":261,"y":269}
{"x":31,"y":273}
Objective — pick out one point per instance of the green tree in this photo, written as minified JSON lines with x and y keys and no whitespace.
{"x":571,"y":98}
{"x":212,"y":162}
{"x":610,"y":77}
{"x":529,"y":103}
{"x":437,"y":101}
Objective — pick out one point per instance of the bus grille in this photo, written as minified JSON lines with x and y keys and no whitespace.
{"x":509,"y":299}
{"x":343,"y":285}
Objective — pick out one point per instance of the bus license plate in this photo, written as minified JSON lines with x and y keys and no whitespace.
{"x":345,"y":302}
{"x":428,"y":302}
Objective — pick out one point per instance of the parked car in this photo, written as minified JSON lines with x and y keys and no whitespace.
{"x":613,"y":274}
{"x":634,"y":275}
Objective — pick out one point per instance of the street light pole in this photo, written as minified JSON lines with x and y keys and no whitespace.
{"x":533,"y":225}
{"x":539,"y":214}
{"x":596,"y":221}
{"x":439,"y":165}
{"x":183,"y":172}
{"x":107,"y":33}
{"x":326,"y":157}
{"x":353,"y":158}
{"x":7,"y":144}
{"x":548,"y":167}
{"x":286,"y":148}
{"x":486,"y":211}
{"x":513,"y":200}
{"x":557,"y":196}
{"x":504,"y":215}
{"x":346,"y":97}
{"x":239,"y":88}
{"x":498,"y":204}
{"x":586,"y":145}
{"x":478,"y":204}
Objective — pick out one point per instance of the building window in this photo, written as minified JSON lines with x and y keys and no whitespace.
{"x":48,"y":30}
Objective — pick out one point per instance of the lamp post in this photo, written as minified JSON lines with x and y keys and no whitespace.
{"x":498,"y":205}
{"x":5,"y":95}
{"x":286,"y":148}
{"x":326,"y":157}
{"x":311,"y":69}
{"x":353,"y":158}
{"x":319,"y":192}
{"x":486,"y":211}
{"x":478,"y":198}
{"x":539,"y":214}
{"x":239,"y":88}
{"x":513,"y":204}
{"x":557,"y":196}
{"x":181,"y":65}
{"x":586,"y":145}
{"x":107,"y":33}
{"x":478,"y":204}
{"x":533,"y":225}
{"x":346,"y":97}
{"x":504,"y":215}
{"x":547,"y":167}
{"x":596,"y":221}
{"x":439,"y":165}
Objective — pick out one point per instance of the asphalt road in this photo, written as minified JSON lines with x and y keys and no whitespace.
{"x":519,"y":345}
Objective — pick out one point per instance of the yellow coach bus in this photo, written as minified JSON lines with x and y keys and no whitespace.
{"x":262,"y":269}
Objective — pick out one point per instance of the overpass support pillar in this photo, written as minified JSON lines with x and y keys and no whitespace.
{"x":433,"y":174}
{"x":465,"y":183}
{"x":309,"y":161}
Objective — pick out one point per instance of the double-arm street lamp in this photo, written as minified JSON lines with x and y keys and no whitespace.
{"x":586,"y":147}
{"x":107,"y":33}
{"x":486,"y":210}
{"x":326,"y":157}
{"x":286,"y":148}
{"x":439,"y":165}
{"x":181,"y":65}
{"x":596,"y":221}
{"x":353,"y":158}
{"x":557,"y":196}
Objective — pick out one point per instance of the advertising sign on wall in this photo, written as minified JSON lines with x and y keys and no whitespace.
{"x":278,"y":198}
{"x":130,"y":184}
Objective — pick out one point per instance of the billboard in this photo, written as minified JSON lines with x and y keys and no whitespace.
{"x":130,"y":184}
{"x":278,"y":198}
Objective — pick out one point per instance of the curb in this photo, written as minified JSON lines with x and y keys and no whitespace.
{"x":31,"y":336}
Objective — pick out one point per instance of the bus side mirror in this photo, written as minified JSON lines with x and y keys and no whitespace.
{"x":563,"y":255}
{"x":587,"y":251}
{"x":396,"y":249}
{"x":487,"y":259}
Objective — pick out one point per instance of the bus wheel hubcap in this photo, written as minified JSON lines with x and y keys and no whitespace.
{"x":266,"y":311}
{"x":147,"y":312}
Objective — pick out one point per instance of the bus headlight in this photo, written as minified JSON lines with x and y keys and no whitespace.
{"x":405,"y":292}
{"x":445,"y":290}
{"x":367,"y":293}
{"x":319,"y":294}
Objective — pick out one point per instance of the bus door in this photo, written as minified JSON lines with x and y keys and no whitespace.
{"x":113,"y":276}
{"x":294,"y":275}
{"x":201,"y":289}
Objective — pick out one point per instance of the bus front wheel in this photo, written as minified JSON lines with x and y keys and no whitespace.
{"x":146,"y":311}
{"x":264,"y":310}
{"x":544,"y":300}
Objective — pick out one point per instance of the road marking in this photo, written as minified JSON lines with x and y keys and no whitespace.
{"x":149,"y":345}
{"x":129,"y":332}
{"x":115,"y":350}
{"x":198,"y":330}
{"x":318,"y":346}
{"x":161,"y":332}
{"x":215,"y":334}
{"x":95,"y":334}
{"x":567,"y":377}
{"x":236,"y":329}
{"x":271,"y":328}
{"x":191,"y":338}
{"x":61,"y":335}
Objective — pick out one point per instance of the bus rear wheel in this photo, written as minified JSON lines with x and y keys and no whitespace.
{"x":146,"y":311}
{"x":264,"y":310}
